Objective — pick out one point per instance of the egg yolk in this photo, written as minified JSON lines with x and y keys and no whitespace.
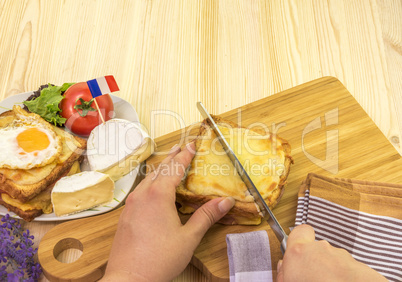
{"x":33,"y":139}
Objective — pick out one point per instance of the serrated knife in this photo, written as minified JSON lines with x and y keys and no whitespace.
{"x":258,"y":199}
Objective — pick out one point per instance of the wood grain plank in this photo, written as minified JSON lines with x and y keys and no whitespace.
{"x":389,"y":15}
{"x":167,"y":54}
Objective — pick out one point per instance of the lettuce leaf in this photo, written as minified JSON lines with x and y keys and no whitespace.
{"x":47,"y":104}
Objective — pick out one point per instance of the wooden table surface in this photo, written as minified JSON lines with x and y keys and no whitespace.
{"x":166,"y":55}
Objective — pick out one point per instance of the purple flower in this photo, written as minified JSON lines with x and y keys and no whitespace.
{"x":16,"y":252}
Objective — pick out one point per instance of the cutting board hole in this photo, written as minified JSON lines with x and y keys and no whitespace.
{"x":68,"y":250}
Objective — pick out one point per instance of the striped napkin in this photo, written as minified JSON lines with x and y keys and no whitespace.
{"x":249,"y":256}
{"x":363,"y":217}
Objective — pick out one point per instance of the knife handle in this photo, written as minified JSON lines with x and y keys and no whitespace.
{"x":92,"y":235}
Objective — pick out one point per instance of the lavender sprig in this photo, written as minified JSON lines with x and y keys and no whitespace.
{"x":16,"y":252}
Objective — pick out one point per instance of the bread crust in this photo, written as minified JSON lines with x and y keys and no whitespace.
{"x":28,"y":215}
{"x":243,"y":212}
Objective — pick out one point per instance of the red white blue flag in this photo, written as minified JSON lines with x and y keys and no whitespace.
{"x":102,"y":85}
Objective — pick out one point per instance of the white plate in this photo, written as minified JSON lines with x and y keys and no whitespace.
{"x":123,"y":110}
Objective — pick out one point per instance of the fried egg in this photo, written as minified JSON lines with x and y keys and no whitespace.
{"x":28,"y":142}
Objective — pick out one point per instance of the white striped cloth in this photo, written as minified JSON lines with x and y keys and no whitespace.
{"x":249,"y":257}
{"x":373,"y":239}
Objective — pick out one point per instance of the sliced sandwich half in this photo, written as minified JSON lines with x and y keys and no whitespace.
{"x":265,"y":156}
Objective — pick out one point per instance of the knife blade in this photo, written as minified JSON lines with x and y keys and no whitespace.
{"x":258,"y":199}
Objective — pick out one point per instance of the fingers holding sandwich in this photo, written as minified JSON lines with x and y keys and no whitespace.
{"x":166,"y":167}
{"x":207,"y":215}
{"x":171,"y":170}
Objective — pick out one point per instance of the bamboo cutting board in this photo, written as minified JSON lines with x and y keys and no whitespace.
{"x":330,"y":134}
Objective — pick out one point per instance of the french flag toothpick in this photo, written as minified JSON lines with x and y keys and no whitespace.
{"x":102,"y":85}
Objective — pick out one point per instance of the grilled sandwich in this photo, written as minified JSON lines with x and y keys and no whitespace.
{"x":265,"y":156}
{"x":30,"y":169}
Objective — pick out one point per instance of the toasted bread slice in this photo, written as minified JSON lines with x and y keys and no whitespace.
{"x":265,"y":156}
{"x":28,"y":215}
{"x":31,"y":209}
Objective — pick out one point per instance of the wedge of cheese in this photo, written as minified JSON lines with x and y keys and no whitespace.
{"x":81,"y":191}
{"x":117,"y":147}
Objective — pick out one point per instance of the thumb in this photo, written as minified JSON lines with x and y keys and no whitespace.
{"x":279,"y":271}
{"x":208,"y":214}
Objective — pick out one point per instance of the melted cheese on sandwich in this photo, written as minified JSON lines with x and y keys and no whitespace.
{"x":40,"y":202}
{"x":212,"y":172}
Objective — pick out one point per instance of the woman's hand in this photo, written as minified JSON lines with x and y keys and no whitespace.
{"x":151,"y":243}
{"x":308,"y":260}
